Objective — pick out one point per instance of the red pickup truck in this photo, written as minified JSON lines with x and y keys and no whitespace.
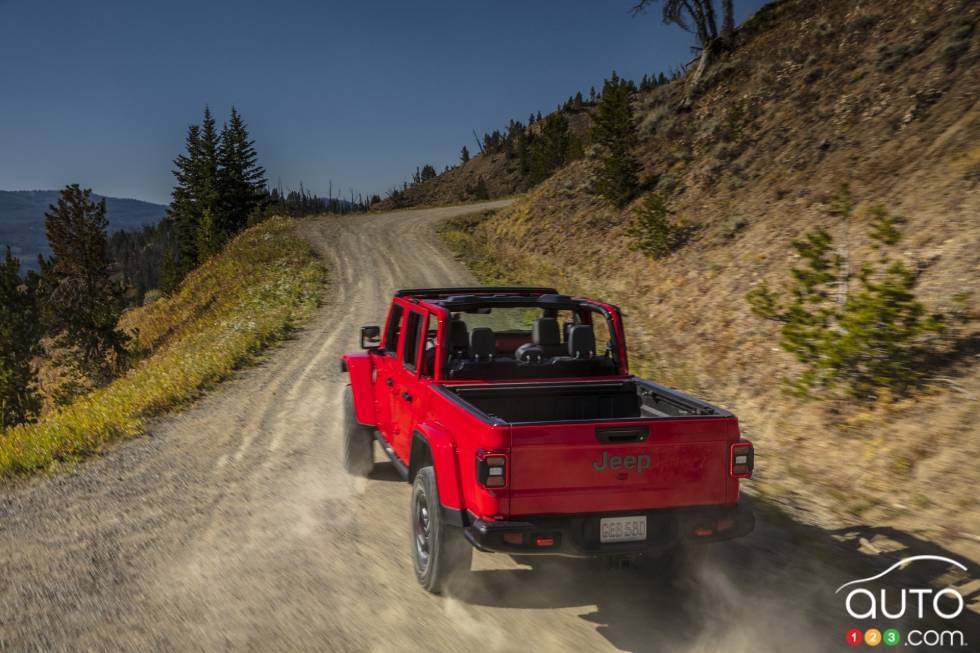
{"x":513,"y":414}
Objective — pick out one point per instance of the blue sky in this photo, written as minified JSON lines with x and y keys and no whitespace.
{"x":101,"y":92}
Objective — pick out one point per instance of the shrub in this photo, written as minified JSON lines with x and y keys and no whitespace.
{"x":653,"y":233}
{"x":877,"y":337}
{"x":865,"y":22}
{"x":958,"y":43}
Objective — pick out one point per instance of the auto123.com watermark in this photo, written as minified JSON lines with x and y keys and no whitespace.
{"x":933,"y":609}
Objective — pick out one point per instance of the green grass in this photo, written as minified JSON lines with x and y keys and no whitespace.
{"x":265,"y":281}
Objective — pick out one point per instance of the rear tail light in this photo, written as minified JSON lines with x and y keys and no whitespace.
{"x":491,"y":469}
{"x":743,"y":459}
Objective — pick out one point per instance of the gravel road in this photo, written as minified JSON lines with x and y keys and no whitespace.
{"x":233,"y":526}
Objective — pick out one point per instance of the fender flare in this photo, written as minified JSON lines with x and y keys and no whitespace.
{"x":435,"y":445}
{"x":360,"y":369}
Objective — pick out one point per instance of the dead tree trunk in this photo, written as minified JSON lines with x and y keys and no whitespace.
{"x":707,"y":53}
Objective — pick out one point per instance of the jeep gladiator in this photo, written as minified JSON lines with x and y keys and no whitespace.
{"x":513,"y":414}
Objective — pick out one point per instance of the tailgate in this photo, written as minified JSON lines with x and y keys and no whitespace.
{"x":629,"y":465}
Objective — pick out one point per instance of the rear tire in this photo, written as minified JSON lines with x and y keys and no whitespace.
{"x":439,"y":551}
{"x":358,"y":440}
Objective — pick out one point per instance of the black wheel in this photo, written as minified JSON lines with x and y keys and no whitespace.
{"x":439,"y":550}
{"x":358,"y":440}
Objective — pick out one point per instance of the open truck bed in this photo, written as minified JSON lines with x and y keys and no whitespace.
{"x":629,"y":444}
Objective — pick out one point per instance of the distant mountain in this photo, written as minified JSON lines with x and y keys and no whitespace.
{"x":22,"y":220}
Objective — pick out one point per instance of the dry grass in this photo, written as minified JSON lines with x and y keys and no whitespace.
{"x":250,"y":295}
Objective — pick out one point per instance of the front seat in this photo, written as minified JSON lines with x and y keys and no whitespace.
{"x":459,"y":339}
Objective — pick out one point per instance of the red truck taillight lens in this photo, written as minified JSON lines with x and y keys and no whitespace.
{"x":743,"y":459}
{"x":491,"y":469}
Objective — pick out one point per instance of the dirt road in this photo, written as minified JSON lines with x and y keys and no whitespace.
{"x":234,"y":527}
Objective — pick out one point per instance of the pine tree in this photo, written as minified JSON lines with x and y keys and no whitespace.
{"x":241,"y":181}
{"x":208,"y":193}
{"x":550,"y":149}
{"x":880,"y":336}
{"x":614,"y":128}
{"x":183,"y":211}
{"x":20,"y":334}
{"x":428,"y":172}
{"x":464,"y":156}
{"x":653,"y":233}
{"x":82,"y":302}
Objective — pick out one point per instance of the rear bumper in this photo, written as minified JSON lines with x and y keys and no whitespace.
{"x":578,"y":535}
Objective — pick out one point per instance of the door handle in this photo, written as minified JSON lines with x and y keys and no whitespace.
{"x":389,"y":382}
{"x":406,"y":396}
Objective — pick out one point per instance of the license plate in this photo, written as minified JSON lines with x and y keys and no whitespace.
{"x":622,"y":529}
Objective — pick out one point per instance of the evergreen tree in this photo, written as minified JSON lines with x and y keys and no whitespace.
{"x":875,"y":336}
{"x":20,"y":334}
{"x":614,"y":128}
{"x":241,"y":181}
{"x":82,"y":301}
{"x":653,"y":233}
{"x":464,"y":156}
{"x":550,"y":149}
{"x":183,"y":212}
{"x":196,"y":190}
{"x":208,"y":184}
{"x":428,"y":172}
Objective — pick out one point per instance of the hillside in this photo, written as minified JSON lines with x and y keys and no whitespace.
{"x":22,"y":219}
{"x":263,"y":283}
{"x":498,"y":173}
{"x":880,"y":95}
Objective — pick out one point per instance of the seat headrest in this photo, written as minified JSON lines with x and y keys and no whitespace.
{"x":546,"y":332}
{"x":459,"y":338}
{"x":483,"y":343}
{"x":581,"y":341}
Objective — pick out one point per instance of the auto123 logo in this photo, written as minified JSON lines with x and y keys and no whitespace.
{"x":927,"y":609}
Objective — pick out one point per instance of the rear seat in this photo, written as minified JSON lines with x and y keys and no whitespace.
{"x":482,"y":362}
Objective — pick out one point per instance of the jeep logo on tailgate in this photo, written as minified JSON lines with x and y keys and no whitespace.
{"x":639,"y":463}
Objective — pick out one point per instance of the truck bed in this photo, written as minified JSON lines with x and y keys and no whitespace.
{"x":583,"y":446}
{"x":531,"y":403}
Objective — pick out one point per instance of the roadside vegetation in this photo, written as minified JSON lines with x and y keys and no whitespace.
{"x":875,"y":337}
{"x":84,"y":364}
{"x":250,"y":295}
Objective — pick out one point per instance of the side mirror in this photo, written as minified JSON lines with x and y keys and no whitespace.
{"x":370,"y":337}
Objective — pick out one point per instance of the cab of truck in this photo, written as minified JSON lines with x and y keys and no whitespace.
{"x":513,"y":414}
